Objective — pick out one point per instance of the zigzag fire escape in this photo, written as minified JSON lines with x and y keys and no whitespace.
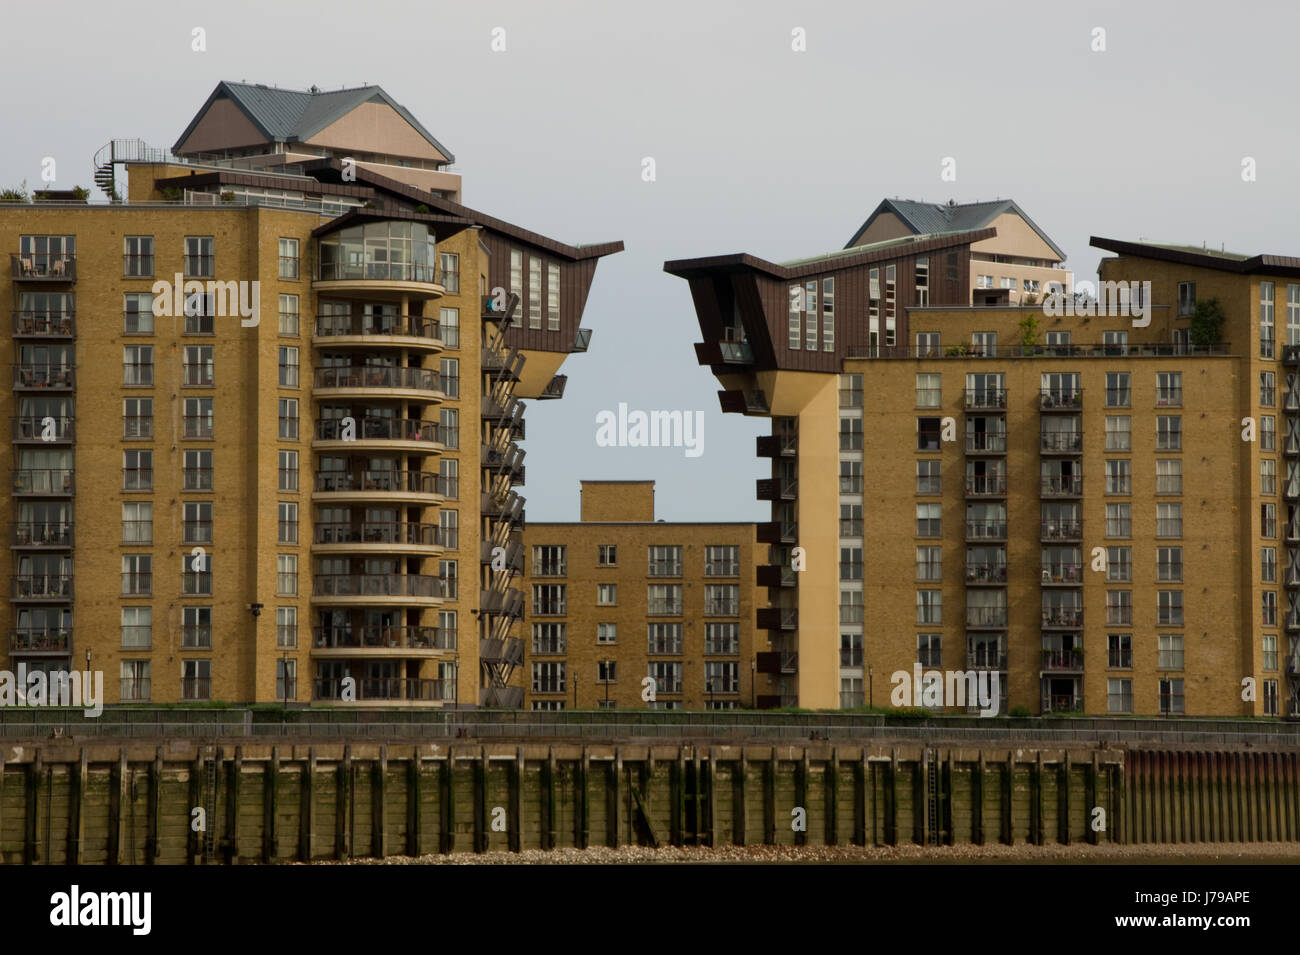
{"x":501,"y":556}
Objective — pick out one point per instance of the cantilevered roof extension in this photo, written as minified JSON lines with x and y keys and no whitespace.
{"x":1235,"y":262}
{"x":931,"y":218}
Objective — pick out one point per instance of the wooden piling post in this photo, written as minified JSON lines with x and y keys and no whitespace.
{"x":977,"y":800}
{"x":308,"y":801}
{"x":117,"y":810}
{"x":343,"y":805}
{"x":270,"y":804}
{"x":232,"y":804}
{"x":478,"y":787}
{"x":584,"y":788}
{"x":769,"y":799}
{"x":152,"y":843}
{"x":517,"y":799}
{"x":1008,"y":834}
{"x":891,"y":801}
{"x":678,"y":835}
{"x":379,"y":804}
{"x":31,"y":843}
{"x":414,"y":803}
{"x":550,"y":831}
{"x":1038,"y":799}
{"x":77,"y":809}
{"x":1063,"y":801}
{"x":741,"y":803}
{"x":447,"y":801}
{"x":832,"y":779}
{"x":711,"y":801}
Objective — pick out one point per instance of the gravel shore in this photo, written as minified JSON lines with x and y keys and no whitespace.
{"x":1276,"y":853}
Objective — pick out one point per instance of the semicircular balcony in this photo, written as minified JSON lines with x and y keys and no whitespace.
{"x":389,"y":259}
{"x":374,"y":331}
{"x":389,"y":485}
{"x":383,"y":641}
{"x":377,"y":537}
{"x":396,"y":382}
{"x":377,"y":590}
{"x":401,"y":435}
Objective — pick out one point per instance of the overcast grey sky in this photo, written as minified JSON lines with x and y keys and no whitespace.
{"x":758,"y":148}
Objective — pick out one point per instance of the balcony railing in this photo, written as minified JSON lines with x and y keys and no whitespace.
{"x":1065,"y":442}
{"x":42,"y":586}
{"x":1062,"y":486}
{"x":1063,"y":659}
{"x":44,"y":375}
{"x":1060,"y":399}
{"x":991,"y":443}
{"x":43,"y":266}
{"x":44,"y":324}
{"x":1063,"y":618}
{"x":986,"y":485}
{"x":985,"y":656}
{"x":986,"y":573}
{"x":376,"y":272}
{"x":405,"y":638}
{"x":993,"y":399}
{"x":722,"y":608}
{"x":1062,"y":703}
{"x":40,"y":641}
{"x":376,"y":585}
{"x":380,"y":429}
{"x":987,"y":617}
{"x":664,"y":607}
{"x":388,"y":688}
{"x":388,"y":481}
{"x":43,"y":482}
{"x":1120,"y":659}
{"x":380,"y":326}
{"x":986,"y":530}
{"x":378,"y":532}
{"x":965,"y":353}
{"x":134,"y":689}
{"x":33,"y":428}
{"x":196,"y":688}
{"x":378,"y":376}
{"x":1062,"y":573}
{"x":42,"y":534}
{"x":1062,"y":530}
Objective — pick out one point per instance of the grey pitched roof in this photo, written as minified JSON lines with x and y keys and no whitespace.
{"x":927,"y":218}
{"x":297,"y":115}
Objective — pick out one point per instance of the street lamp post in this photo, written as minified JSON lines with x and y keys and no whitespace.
{"x":575,"y":691}
{"x":871,"y":699}
{"x":753,"y":679}
{"x":708,"y":688}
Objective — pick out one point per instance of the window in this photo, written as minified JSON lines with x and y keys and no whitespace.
{"x":449,"y":576}
{"x":928,"y":476}
{"x":1268,"y":520}
{"x":722,"y":638}
{"x":722,"y":676}
{"x":552,"y":297}
{"x":196,"y":574}
{"x":1169,"y":435}
{"x":137,"y":628}
{"x":851,"y":434}
{"x":286,"y":575}
{"x":550,"y":638}
{"x":929,"y":563}
{"x":286,"y":628}
{"x":198,"y":417}
{"x":135,"y":681}
{"x":137,"y":574}
{"x":449,"y":264}
{"x":1118,"y":437}
{"x":1169,"y":563}
{"x":1265,"y":319}
{"x":137,"y":522}
{"x":449,"y":427}
{"x":137,"y":470}
{"x":1169,"y":607}
{"x":850,"y":563}
{"x":1117,"y":389}
{"x":828,"y":314}
{"x":199,"y":257}
{"x":810,"y":313}
{"x":606,"y":595}
{"x":664,"y":599}
{"x":796,"y":317}
{"x":534,"y":292}
{"x":1267,"y":433}
{"x":1270,"y":697}
{"x":1119,"y":695}
{"x":927,"y":434}
{"x":286,"y":679}
{"x":288,"y":367}
{"x":873,"y":314}
{"x":722,"y":561}
{"x":288,"y":411}
{"x":850,"y":606}
{"x":1267,"y":390}
{"x":550,"y":560}
{"x":288,"y":522}
{"x":137,"y":365}
{"x":929,"y":606}
{"x":1119,"y":520}
{"x":288,"y":258}
{"x":196,"y":628}
{"x":664,"y":638}
{"x":1169,"y":389}
{"x":1119,"y":651}
{"x":1169,"y":520}
{"x":1119,"y":564}
{"x":851,"y":477}
{"x":667,"y":676}
{"x":197,"y":526}
{"x":448,"y":484}
{"x":549,"y":600}
{"x":138,"y":255}
{"x":984,"y":281}
{"x":138,"y":308}
{"x":606,"y":633}
{"x":449,"y":372}
{"x":928,"y":520}
{"x":890,"y":301}
{"x":1169,"y":476}
{"x":1119,"y":608}
{"x":288,"y":470}
{"x":606,"y":671}
{"x":850,"y":391}
{"x":517,"y":278}
{"x":198,"y":366}
{"x":928,"y":391}
{"x":1118,"y":476}
{"x":1293,"y":314}
{"x":197,"y":474}
{"x":1186,"y":299}
{"x":927,"y":344}
{"x":137,"y":417}
{"x":984,"y":343}
{"x":200,"y":313}
{"x":606,"y":555}
{"x":922,"y":280}
{"x":1270,"y":651}
{"x":449,"y":326}
{"x":665,"y":561}
{"x":850,"y":520}
{"x":1171,"y":697}
{"x":548,"y":677}
{"x":1268,"y":608}
{"x":449,"y":528}
{"x":1268,"y":565}
{"x":289,"y":315}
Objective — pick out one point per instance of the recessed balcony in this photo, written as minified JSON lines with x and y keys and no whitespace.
{"x":986,"y":618}
{"x":778,"y":532}
{"x":44,"y":324}
{"x":1062,"y":618}
{"x":1061,"y":400}
{"x":411,"y":436}
{"x":986,"y":530}
{"x":776,"y":575}
{"x":777,"y":489}
{"x":378,"y":381}
{"x":986,"y":575}
{"x":413,"y":332}
{"x":374,"y":278}
{"x":986,"y":399}
{"x":1063,"y":661}
{"x":985,"y":656}
{"x":784,"y":445}
{"x":985,"y":442}
{"x":382,"y":641}
{"x":33,"y":587}
{"x":43,"y":429}
{"x":986,"y":485}
{"x":1060,"y":442}
{"x":43,"y":482}
{"x":44,"y":376}
{"x":40,"y":642}
{"x":383,"y":537}
{"x":1062,"y":486}
{"x":41,"y":535}
{"x":377,"y":589}
{"x":367,"y":484}
{"x":42,"y":267}
{"x":1062,"y":575}
{"x":393,"y":691}
{"x":778,"y":618}
{"x":1061,"y":531}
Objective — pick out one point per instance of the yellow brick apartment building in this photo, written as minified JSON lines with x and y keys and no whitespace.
{"x":1100,"y":508}
{"x":629,"y":612}
{"x":300,"y":502}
